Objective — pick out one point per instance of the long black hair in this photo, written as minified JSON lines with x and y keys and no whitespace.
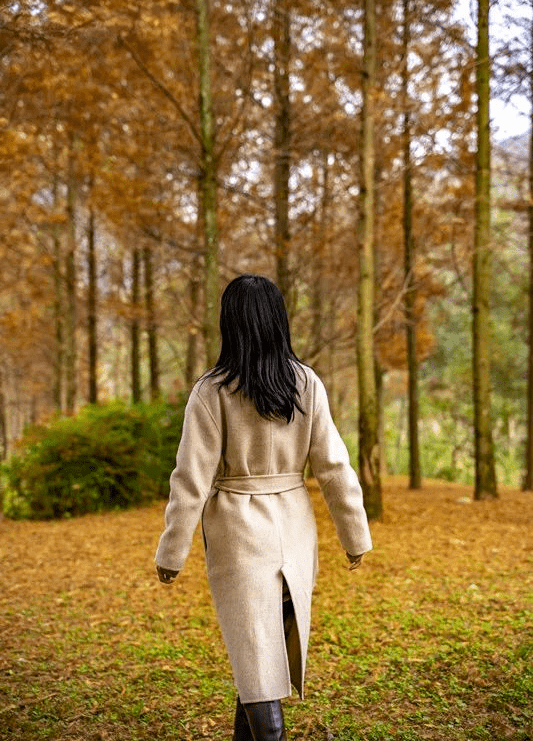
{"x":256,"y":347}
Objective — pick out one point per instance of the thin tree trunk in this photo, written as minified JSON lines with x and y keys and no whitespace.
{"x":331,"y":384}
{"x":369,"y":453}
{"x":120,"y":355}
{"x":485,"y":486}
{"x":151,"y":323}
{"x":282,"y":144}
{"x":379,"y":372}
{"x":71,"y":303}
{"x":91,"y":311}
{"x":208,"y":185}
{"x":528,"y":478}
{"x":57,"y":390}
{"x":318,"y":296}
{"x":3,"y":421}
{"x":134,"y":328}
{"x":191,"y":363}
{"x":409,"y":264}
{"x":380,"y":393}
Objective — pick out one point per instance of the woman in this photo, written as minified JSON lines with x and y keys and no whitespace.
{"x":251,"y":424}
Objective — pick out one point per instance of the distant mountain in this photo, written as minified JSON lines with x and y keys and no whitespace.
{"x":516,"y":146}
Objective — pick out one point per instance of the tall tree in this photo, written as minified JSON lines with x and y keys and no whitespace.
{"x":369,"y":450}
{"x":71,"y":298}
{"x":485,"y":482}
{"x":4,"y":442}
{"x":57,"y":391}
{"x":193,"y":290}
{"x":135,"y":327}
{"x":528,"y":478}
{"x":91,"y":308}
{"x":409,"y":262}
{"x":151,"y":323}
{"x":318,"y":293}
{"x":208,"y":183}
{"x":281,"y":30}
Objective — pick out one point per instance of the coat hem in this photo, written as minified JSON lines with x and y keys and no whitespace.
{"x":265,"y":698}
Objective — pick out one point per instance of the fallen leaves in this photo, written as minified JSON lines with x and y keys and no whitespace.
{"x":94,"y":647}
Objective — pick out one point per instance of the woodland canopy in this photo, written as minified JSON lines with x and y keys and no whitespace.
{"x":115,"y":158}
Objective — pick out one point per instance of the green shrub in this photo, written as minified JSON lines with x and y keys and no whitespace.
{"x":164,"y":422}
{"x":106,"y":457}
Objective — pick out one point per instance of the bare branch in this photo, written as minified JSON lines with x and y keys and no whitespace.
{"x":393,"y":306}
{"x":163,"y":88}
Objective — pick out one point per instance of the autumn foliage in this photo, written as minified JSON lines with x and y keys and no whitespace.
{"x":107,"y":290}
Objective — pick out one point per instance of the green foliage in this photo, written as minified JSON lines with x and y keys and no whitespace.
{"x":446,"y":408}
{"x":164,"y":422}
{"x":106,"y":457}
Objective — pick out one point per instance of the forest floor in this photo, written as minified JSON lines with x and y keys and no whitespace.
{"x":432,"y":638}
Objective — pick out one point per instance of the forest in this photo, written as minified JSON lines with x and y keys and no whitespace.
{"x":151,"y":152}
{"x":351,"y":152}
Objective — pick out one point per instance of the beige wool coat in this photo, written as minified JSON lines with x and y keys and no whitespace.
{"x":242,"y":475}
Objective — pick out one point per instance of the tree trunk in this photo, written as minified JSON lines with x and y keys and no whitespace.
{"x":57,"y":390}
{"x":331,"y":358}
{"x":409,"y":264}
{"x":369,"y":453}
{"x":71,"y":304}
{"x":191,"y":363}
{"x":151,"y":324}
{"x":134,"y":328}
{"x":380,"y":394}
{"x":485,"y":486}
{"x":3,"y":422}
{"x":282,"y":143}
{"x":318,"y":295}
{"x":91,"y":311}
{"x":208,"y":185}
{"x":528,"y":478}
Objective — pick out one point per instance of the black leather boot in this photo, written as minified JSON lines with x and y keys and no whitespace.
{"x":241,"y":729}
{"x":266,"y":720}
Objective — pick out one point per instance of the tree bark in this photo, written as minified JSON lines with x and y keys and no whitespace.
{"x":318,"y":294}
{"x":191,"y":362}
{"x":151,"y":323}
{"x":208,"y":185}
{"x":282,"y":144}
{"x":134,"y":328}
{"x":91,"y":310}
{"x":409,"y":264}
{"x":3,"y":422}
{"x":528,"y":478}
{"x":485,"y":484}
{"x":369,"y":452}
{"x":57,"y":390}
{"x":71,"y":302}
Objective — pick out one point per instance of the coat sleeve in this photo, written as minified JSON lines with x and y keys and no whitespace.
{"x":338,"y":481}
{"x":191,"y":481}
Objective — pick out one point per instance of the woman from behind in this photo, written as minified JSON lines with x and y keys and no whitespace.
{"x":251,"y":425}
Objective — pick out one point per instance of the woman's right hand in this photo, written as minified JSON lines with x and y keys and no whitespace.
{"x":166,"y":576}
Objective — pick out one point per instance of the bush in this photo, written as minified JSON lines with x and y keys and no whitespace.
{"x":164,"y":422}
{"x":106,"y":457}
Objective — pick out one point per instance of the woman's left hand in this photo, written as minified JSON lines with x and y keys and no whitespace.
{"x":166,"y":576}
{"x":355,"y":561}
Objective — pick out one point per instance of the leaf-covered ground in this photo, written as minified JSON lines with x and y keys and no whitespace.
{"x":431,"y":639}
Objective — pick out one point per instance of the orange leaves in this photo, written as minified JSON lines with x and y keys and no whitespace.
{"x":103,"y":94}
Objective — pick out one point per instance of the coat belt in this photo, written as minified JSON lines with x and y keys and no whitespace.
{"x":270,"y":483}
